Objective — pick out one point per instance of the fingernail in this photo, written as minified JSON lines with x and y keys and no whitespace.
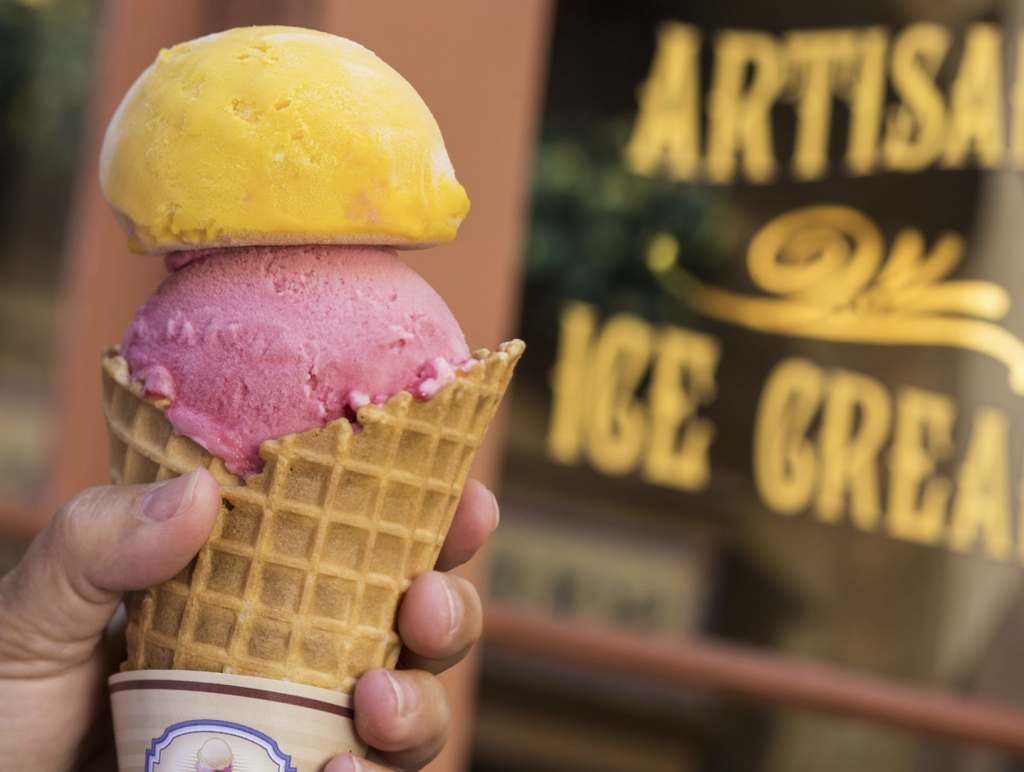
{"x":455,"y":610}
{"x":497,"y":509}
{"x":405,"y":696}
{"x":170,"y":498}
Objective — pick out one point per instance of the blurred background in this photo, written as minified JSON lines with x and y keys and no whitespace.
{"x":731,"y":539}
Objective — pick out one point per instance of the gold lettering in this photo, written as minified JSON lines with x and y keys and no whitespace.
{"x":815,"y":59}
{"x":596,"y":412}
{"x":739,"y":114}
{"x":915,"y":128}
{"x":976,"y":101}
{"x":785,"y":465}
{"x":855,"y":425}
{"x":866,"y":95}
{"x":616,"y":422}
{"x":982,"y":506}
{"x":1017,"y":105}
{"x":569,"y":382}
{"x":682,"y":380}
{"x":753,"y":70}
{"x":666,"y":134}
{"x":1020,"y":520}
{"x":917,"y":496}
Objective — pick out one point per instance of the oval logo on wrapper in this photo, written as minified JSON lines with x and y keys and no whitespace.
{"x":215,"y":746}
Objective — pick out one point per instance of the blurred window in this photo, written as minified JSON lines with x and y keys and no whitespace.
{"x":46,"y":49}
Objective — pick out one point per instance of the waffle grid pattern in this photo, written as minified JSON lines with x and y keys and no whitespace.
{"x":308,"y":560}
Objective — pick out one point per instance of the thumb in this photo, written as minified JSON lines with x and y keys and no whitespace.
{"x":56,"y":603}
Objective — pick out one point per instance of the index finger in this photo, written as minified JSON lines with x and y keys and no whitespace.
{"x":475,"y":519}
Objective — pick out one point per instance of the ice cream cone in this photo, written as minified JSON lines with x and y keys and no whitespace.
{"x":302,"y":576}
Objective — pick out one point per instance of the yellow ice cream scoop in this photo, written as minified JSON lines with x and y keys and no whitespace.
{"x":277,"y":135}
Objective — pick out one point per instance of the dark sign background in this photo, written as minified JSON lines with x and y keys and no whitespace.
{"x":832,"y":592}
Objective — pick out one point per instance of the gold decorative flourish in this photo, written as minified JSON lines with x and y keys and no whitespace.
{"x":827,"y":270}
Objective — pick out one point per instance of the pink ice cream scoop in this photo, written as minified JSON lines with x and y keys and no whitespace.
{"x":253,"y":343}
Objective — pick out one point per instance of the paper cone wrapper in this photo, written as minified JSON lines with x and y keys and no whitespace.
{"x":301,"y":578}
{"x":180,"y":721}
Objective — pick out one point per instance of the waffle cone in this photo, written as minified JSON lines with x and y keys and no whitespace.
{"x":302,"y":575}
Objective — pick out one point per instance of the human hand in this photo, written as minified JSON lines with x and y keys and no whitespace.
{"x":404,"y":714}
{"x":55,"y":607}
